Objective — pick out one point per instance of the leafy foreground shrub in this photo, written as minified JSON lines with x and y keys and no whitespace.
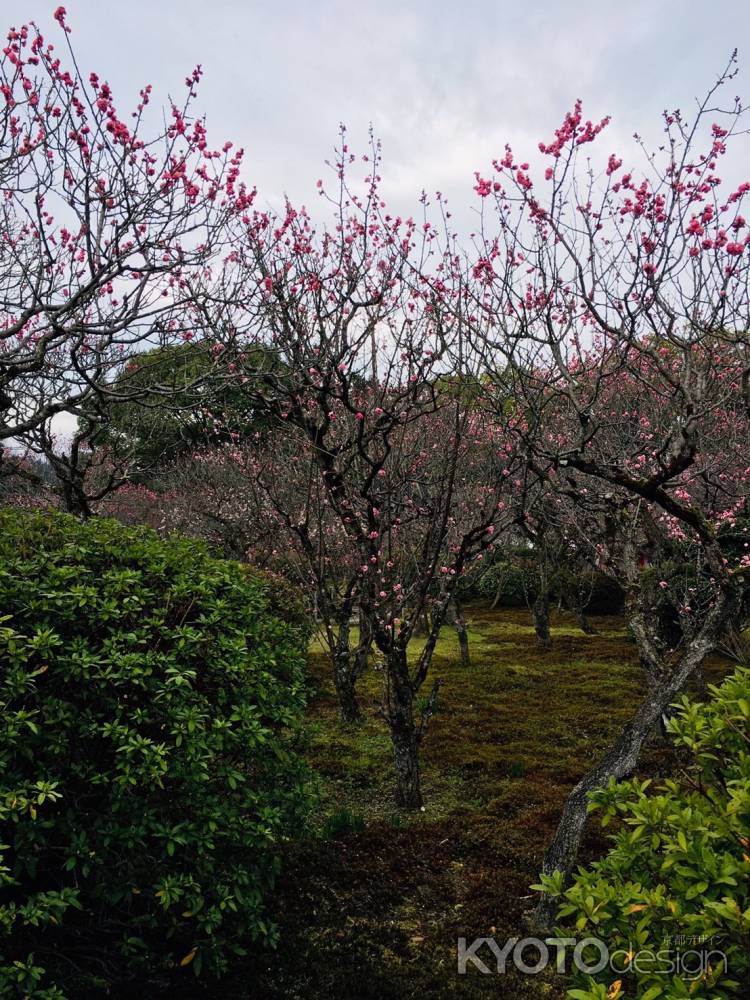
{"x":147,"y":768}
{"x":675,"y":888}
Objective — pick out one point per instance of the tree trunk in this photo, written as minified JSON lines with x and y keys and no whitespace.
{"x":621,"y":759}
{"x":404,"y":732}
{"x":362,"y":653}
{"x":653,"y":681}
{"x":422,"y":626}
{"x":406,"y":765}
{"x":585,"y":625}
{"x":459,"y":623}
{"x":540,"y":612}
{"x":75,"y":500}
{"x":348,"y":664}
{"x":463,"y":643}
{"x":345,"y":680}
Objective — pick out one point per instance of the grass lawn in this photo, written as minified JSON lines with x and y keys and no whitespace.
{"x":371,"y":904}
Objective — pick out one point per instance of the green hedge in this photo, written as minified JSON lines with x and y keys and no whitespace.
{"x":519,"y":586}
{"x":148,"y":776}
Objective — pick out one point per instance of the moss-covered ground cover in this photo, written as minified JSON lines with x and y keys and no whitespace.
{"x":372,"y":903}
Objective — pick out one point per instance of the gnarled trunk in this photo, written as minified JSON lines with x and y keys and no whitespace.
{"x":621,"y":759}
{"x":74,"y":498}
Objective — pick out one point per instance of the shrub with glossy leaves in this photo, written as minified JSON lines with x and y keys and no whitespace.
{"x":675,"y":888}
{"x":149,"y":697}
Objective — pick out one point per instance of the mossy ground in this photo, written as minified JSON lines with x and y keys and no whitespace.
{"x":371,"y":904}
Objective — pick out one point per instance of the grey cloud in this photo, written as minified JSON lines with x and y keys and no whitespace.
{"x":445,"y":84}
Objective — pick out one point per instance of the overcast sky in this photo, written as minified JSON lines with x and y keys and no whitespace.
{"x":445,"y":84}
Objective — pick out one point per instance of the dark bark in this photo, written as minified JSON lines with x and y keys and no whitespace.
{"x":345,"y":680}
{"x":353,"y":665}
{"x":422,"y":626}
{"x":654,"y":684}
{"x":459,"y":623}
{"x":585,"y":625}
{"x":463,"y":643}
{"x":540,"y":612}
{"x":622,"y":758}
{"x":362,"y":653}
{"x":406,"y":765}
{"x":405,"y":735}
{"x":654,"y":675}
{"x":74,"y":499}
{"x":499,"y":590}
{"x":349,"y":664}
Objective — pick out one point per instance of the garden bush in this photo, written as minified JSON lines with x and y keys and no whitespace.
{"x":148,"y":774}
{"x":605,"y":595}
{"x":676,"y":883}
{"x":519,"y":586}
